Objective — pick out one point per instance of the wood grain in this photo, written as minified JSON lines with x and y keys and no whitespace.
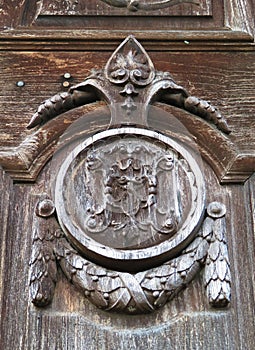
{"x":187,"y":320}
{"x":230,"y":87}
{"x":97,"y":14}
{"x":213,"y":57}
{"x":97,"y":8}
{"x":228,"y":21}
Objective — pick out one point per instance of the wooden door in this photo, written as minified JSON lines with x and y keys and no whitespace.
{"x":57,"y":290}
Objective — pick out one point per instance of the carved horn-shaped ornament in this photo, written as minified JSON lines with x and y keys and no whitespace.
{"x":129,"y":78}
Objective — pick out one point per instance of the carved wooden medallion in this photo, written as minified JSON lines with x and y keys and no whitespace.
{"x":131,"y":226}
{"x":142,"y":197}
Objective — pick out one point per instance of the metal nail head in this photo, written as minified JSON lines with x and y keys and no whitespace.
{"x":20,"y":83}
{"x":67,"y":76}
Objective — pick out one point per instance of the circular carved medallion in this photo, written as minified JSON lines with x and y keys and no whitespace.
{"x":129,"y":198}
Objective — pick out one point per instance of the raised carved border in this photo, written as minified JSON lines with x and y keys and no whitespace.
{"x":24,"y":162}
{"x":127,"y":8}
{"x":236,"y":33}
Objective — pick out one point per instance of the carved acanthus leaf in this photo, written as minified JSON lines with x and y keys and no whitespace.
{"x":130,"y":63}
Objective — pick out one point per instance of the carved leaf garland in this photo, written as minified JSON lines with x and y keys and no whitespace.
{"x":131,"y":293}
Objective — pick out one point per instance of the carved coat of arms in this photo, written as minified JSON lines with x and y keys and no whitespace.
{"x":128,"y":221}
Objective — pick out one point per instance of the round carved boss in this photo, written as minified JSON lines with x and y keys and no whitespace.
{"x":129,"y":198}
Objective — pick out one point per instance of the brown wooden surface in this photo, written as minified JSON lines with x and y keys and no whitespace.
{"x":226,"y":84}
{"x":232,"y":21}
{"x":98,"y":7}
{"x":216,"y":64}
{"x":72,"y":322}
{"x":224,"y":78}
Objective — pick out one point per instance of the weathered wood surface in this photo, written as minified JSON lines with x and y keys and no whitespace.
{"x":72,"y":322}
{"x":228,"y":84}
{"x":230,"y":87}
{"x":113,"y":8}
{"x":233,"y":21}
{"x":216,"y":65}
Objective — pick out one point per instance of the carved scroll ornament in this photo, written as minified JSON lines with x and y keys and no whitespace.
{"x":127,"y":221}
